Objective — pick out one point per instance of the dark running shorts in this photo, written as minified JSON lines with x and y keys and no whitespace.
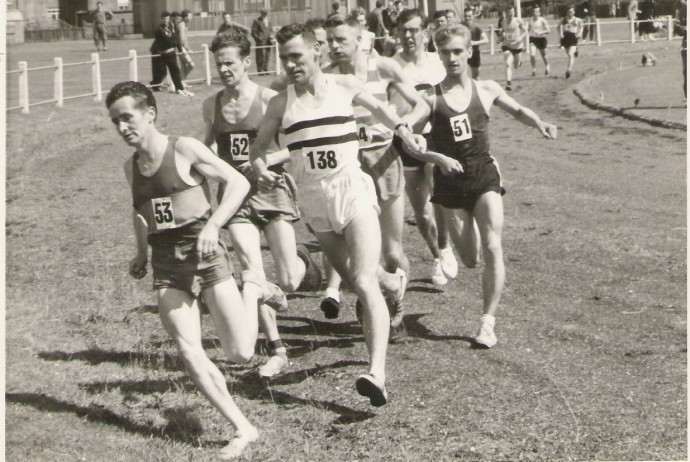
{"x":476,"y":58}
{"x":569,"y":40}
{"x":463,"y":191}
{"x":385,"y":167}
{"x":514,"y":51}
{"x":262,"y":207}
{"x":176,"y":265}
{"x":539,"y":42}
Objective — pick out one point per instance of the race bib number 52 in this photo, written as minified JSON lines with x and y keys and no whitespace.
{"x":317,"y":162}
{"x":460,"y":126}
{"x":239,"y":147}
{"x":163,"y":214}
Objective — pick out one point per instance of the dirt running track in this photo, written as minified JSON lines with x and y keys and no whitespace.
{"x":591,"y":360}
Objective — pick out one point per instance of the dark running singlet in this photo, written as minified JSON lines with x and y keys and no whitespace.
{"x":234,"y":140}
{"x":464,"y":136}
{"x":164,"y":199}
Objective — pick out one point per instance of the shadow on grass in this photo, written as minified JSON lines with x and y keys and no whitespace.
{"x":181,"y":426}
{"x":418,"y":330}
{"x":157,"y":360}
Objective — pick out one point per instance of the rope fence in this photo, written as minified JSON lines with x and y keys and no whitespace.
{"x":614,"y":32}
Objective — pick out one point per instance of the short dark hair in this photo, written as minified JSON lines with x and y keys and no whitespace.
{"x":397,"y":2}
{"x":174,"y":14}
{"x":336,"y":5}
{"x":140,"y":93}
{"x":407,"y":14}
{"x":379,"y":3}
{"x":337,"y":20}
{"x":165,"y":14}
{"x":185,"y":13}
{"x":234,"y":37}
{"x":291,"y":31}
{"x":440,"y":14}
{"x":315,"y":23}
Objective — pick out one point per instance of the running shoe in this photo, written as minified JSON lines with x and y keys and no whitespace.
{"x":273,"y":296}
{"x":485,"y":338}
{"x":185,"y":93}
{"x":398,"y":333}
{"x":274,"y":366}
{"x":312,"y":273}
{"x":567,"y":74}
{"x":534,"y":73}
{"x":237,"y":445}
{"x":449,"y":265}
{"x":368,"y":386}
{"x":437,"y":276}
{"x":330,"y":307}
{"x":509,"y":87}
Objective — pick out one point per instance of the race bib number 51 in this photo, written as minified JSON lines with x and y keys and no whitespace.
{"x":318,"y":162}
{"x":460,"y":126}
{"x":239,"y":147}
{"x":163,"y":214}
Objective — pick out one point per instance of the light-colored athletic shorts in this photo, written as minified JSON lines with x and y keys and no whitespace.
{"x":385,"y":167}
{"x":330,"y":204}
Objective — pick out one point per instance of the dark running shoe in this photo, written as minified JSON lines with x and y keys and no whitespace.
{"x":312,"y":273}
{"x":397,"y":334}
{"x":368,"y":386}
{"x":330,"y":307}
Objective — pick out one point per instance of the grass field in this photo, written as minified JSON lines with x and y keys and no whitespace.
{"x":591,"y":362}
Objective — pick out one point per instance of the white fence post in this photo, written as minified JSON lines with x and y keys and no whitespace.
{"x":279,"y":68}
{"x":24,"y":86}
{"x":58,"y":92}
{"x":597,"y":27}
{"x":133,"y":66}
{"x":96,"y":76}
{"x":492,"y":40}
{"x":207,"y":63}
{"x":632,"y":31}
{"x":669,"y":26}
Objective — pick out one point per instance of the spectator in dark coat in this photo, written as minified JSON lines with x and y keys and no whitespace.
{"x":164,"y":51}
{"x":261,"y":33}
{"x":375,"y":25}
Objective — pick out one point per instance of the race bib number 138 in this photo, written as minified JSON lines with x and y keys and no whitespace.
{"x":163,"y":214}
{"x":319,"y":161}
{"x":460,"y":126}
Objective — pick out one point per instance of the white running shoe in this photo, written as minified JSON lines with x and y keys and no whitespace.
{"x":238,"y":444}
{"x":449,"y":265}
{"x":273,"y":366}
{"x":185,"y":93}
{"x":437,"y":276}
{"x":485,"y":337}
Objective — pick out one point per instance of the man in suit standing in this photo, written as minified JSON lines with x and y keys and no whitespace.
{"x":261,"y":33}
{"x":375,"y":25}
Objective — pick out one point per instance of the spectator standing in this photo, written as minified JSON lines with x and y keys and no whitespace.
{"x":261,"y":33}
{"x":366,"y":38}
{"x":375,"y":24}
{"x":647,"y":15}
{"x":100,"y":19}
{"x":228,"y":23}
{"x":335,"y":10}
{"x":451,"y":17}
{"x":164,"y":51}
{"x":186,"y":62}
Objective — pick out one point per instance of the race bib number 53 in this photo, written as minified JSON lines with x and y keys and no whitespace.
{"x":318,"y":162}
{"x":163,"y":214}
{"x":460,"y":126}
